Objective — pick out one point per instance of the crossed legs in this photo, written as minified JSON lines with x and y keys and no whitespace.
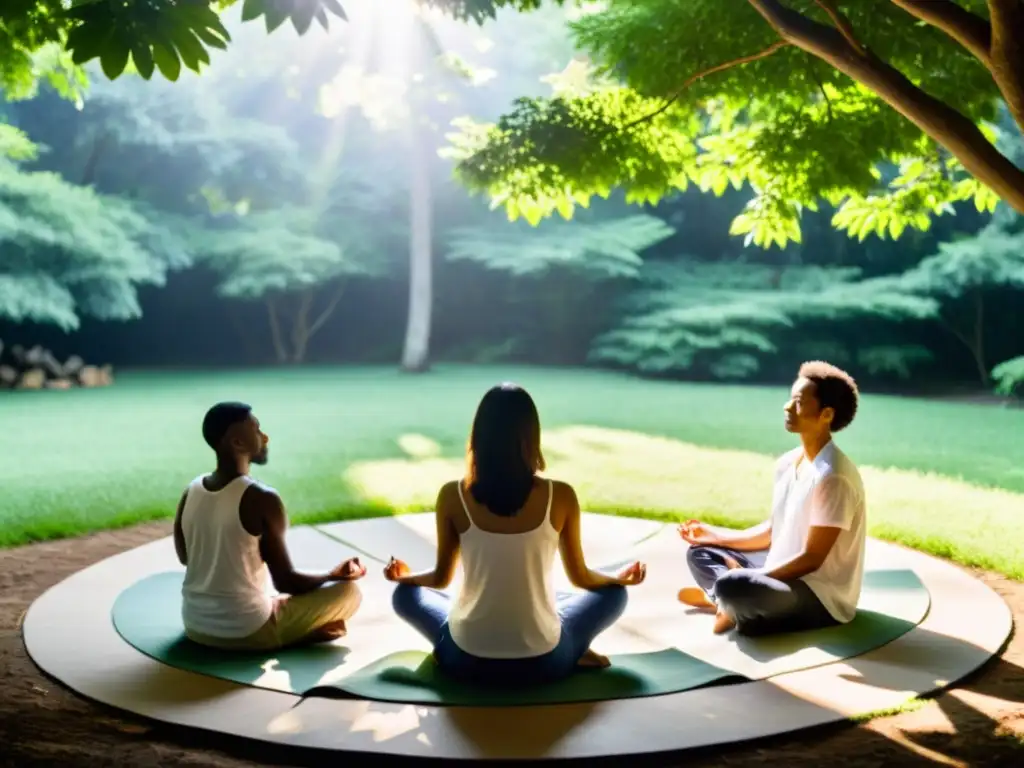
{"x":318,"y":616}
{"x":745,"y":598}
{"x":584,"y":616}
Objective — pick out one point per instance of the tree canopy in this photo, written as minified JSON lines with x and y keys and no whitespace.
{"x":726,"y":318}
{"x":883,"y":109}
{"x":69,"y":251}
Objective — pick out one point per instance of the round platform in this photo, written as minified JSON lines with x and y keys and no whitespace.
{"x":69,"y":634}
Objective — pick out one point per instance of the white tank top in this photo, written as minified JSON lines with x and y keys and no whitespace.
{"x":506,"y":607}
{"x":226,"y":590}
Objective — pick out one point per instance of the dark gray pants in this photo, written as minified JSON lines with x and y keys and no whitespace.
{"x":759,"y":604}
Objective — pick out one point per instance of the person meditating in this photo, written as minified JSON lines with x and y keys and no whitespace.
{"x":505,"y":625}
{"x":229,"y":531}
{"x":803,"y":567}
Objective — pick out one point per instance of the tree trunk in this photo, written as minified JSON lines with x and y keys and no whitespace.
{"x":280,"y":351}
{"x":300,"y":327}
{"x":978,"y":346}
{"x":938,"y":120}
{"x":417,"y":332}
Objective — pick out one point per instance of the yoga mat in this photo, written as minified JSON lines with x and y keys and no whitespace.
{"x":412,"y":676}
{"x":379,"y":659}
{"x":148,"y":616}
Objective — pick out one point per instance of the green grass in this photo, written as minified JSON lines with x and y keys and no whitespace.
{"x":947,"y":478}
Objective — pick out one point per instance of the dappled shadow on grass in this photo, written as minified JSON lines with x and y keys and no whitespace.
{"x":627,"y":472}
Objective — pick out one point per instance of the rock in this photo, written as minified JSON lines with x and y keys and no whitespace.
{"x":34,"y":378}
{"x":89,"y":376}
{"x":8,"y":376}
{"x":106,"y":376}
{"x":73,"y":366}
{"x":59,"y":384}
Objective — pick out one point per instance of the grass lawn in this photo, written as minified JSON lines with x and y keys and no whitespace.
{"x":947,"y":478}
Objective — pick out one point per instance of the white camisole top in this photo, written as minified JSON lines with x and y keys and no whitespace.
{"x":506,"y":607}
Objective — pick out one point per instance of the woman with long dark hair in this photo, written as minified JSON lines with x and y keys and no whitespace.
{"x":506,"y":625}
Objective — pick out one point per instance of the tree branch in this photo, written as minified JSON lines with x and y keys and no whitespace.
{"x":705,"y":73}
{"x":275,"y":331}
{"x":1007,"y":54}
{"x":842,"y":24}
{"x":970,"y":30}
{"x":935,"y":118}
{"x":332,"y":304}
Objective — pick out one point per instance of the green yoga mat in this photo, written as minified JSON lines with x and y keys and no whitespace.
{"x":412,"y":676}
{"x":147,"y":616}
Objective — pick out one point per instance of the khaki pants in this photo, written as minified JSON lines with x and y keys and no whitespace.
{"x":295,"y":619}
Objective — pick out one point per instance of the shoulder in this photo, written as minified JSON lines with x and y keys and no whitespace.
{"x":562,"y":493}
{"x":841,"y":466}
{"x":449,"y":492}
{"x":195,"y":482}
{"x":786,"y":460}
{"x":261,"y":496}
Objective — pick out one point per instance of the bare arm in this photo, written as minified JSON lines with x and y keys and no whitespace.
{"x":447,"y":547}
{"x":820,"y":540}
{"x":571,"y":546}
{"x":268,"y":509}
{"x":179,"y":534}
{"x":753,"y":539}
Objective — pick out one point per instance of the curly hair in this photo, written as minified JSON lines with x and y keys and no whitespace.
{"x":835,"y":389}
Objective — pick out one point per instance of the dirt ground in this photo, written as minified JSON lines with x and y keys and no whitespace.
{"x":980,"y":723}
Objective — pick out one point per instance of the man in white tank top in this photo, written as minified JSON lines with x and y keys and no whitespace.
{"x":229,"y":533}
{"x":804,"y":566}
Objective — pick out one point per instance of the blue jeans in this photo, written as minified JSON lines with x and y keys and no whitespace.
{"x":584,"y":616}
{"x":759,"y":604}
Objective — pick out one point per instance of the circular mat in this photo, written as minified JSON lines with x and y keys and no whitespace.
{"x":674,"y":685}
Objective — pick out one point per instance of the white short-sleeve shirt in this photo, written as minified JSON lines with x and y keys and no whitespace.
{"x":826,"y":492}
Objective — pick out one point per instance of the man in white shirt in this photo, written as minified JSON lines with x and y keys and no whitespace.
{"x":803,"y":567}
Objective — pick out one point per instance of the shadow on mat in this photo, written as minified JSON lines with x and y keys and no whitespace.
{"x":413,"y":677}
{"x":868,"y":631}
{"x":296,"y":669}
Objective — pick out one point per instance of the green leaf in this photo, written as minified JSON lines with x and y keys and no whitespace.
{"x":188,"y":46}
{"x":206,"y":25}
{"x":277,"y":12}
{"x":302,"y":15}
{"x":211,"y":39}
{"x":167,"y":61}
{"x":253,"y":9}
{"x":142,"y":57}
{"x":87,"y":42}
{"x":896,"y":227}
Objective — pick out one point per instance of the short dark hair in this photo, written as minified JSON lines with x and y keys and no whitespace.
{"x":220,"y":418}
{"x":835,"y":389}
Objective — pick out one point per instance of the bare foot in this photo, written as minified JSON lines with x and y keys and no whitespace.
{"x":593,"y":660}
{"x":694,"y":597}
{"x":334,"y":630}
{"x":723,"y":623}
